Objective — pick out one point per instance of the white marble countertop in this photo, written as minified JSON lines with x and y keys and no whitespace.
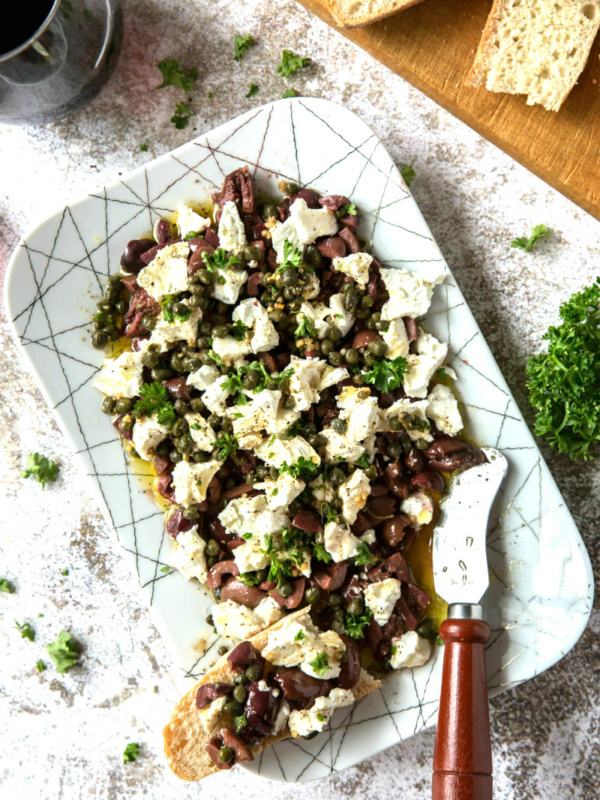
{"x":63,"y":736}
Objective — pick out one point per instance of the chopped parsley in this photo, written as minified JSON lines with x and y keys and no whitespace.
{"x":173,"y":76}
{"x":292,"y":257}
{"x":363,"y":462}
{"x":291,"y":63}
{"x":441,"y":373}
{"x":216,"y":358}
{"x":305,"y":469}
{"x":320,"y":664}
{"x":192,"y":235}
{"x":305,"y":328}
{"x":227,"y":444}
{"x":154,"y":399}
{"x":247,"y":536}
{"x":239,"y":330}
{"x":320,"y":553}
{"x":249,"y":578}
{"x":355,"y":624}
{"x":347,"y":211}
{"x":235,"y":385}
{"x":64,"y":571}
{"x":131,"y":752}
{"x":363,"y":555}
{"x":328,"y":513}
{"x":407,"y":173}
{"x":43,"y":469}
{"x":300,"y":636}
{"x":219,"y":260}
{"x":321,"y":717}
{"x":241,"y":44}
{"x":240,"y":722}
{"x":564,"y":382}
{"x":6,"y":586}
{"x":27,"y":631}
{"x":538,"y":232}
{"x":165,"y":569}
{"x":252,"y":90}
{"x":41,"y":667}
{"x":144,"y":148}
{"x":63,"y":652}
{"x":289,"y":93}
{"x":182,"y":115}
{"x":386,"y":374}
{"x":168,"y":314}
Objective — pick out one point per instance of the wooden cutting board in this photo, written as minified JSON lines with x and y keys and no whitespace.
{"x":432,"y":46}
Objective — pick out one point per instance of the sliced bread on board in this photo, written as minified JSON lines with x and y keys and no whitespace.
{"x":536,"y":47}
{"x":354,"y":13}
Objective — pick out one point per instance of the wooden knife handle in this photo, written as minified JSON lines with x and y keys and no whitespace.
{"x":462,"y":760}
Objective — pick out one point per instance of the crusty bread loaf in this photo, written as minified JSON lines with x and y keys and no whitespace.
{"x":184,"y":737}
{"x":354,"y":13}
{"x":536,"y":47}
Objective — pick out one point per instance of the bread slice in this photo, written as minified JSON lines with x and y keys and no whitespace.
{"x":184,"y":737}
{"x":354,"y":13}
{"x":536,"y":47}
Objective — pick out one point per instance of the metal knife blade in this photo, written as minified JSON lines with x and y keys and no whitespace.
{"x":459,"y":540}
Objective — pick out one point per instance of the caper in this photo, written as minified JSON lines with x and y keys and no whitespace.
{"x":194,"y":301}
{"x":351,"y":356}
{"x":98,"y":325}
{"x":124,"y":405}
{"x":227,"y":425}
{"x":204,"y":303}
{"x":252,"y":253}
{"x":427,"y":629}
{"x":312,"y":256}
{"x":288,"y":403}
{"x":312,"y":595}
{"x":366,"y":302}
{"x":286,"y":588}
{"x":205,"y":328}
{"x":338,"y":425}
{"x":197,"y":405}
{"x":362,"y":313}
{"x":369,"y":359}
{"x":276,"y":314}
{"x":126,"y":424}
{"x":181,"y":408}
{"x":204,"y":277}
{"x":197,"y":290}
{"x":289,"y":293}
{"x":176,"y":363}
{"x":214,"y":420}
{"x":210,"y":562}
{"x":284,"y":383}
{"x":250,"y":478}
{"x":335,"y":358}
{"x":108,"y":405}
{"x":207,"y":359}
{"x":192,"y":363}
{"x":254,"y":672}
{"x":383,"y":325}
{"x":326,"y":347}
{"x":289,"y":278}
{"x":335,"y":335}
{"x":180,"y":427}
{"x":175,"y":456}
{"x":334,"y":600}
{"x":233,"y":708}
{"x":289,"y":188}
{"x":190,"y":513}
{"x":277,"y":542}
{"x":241,"y":680}
{"x":339,"y":616}
{"x":164,"y":448}
{"x":212,"y":548}
{"x":355,"y":607}
{"x":184,"y":444}
{"x":103,"y":307}
{"x":379,"y":348}
{"x":150,"y":359}
{"x":222,"y":650}
{"x":262,"y":574}
{"x":200,"y":457}
{"x":113,"y":333}
{"x":115,"y":280}
{"x":311,"y":735}
{"x":239,"y":694}
{"x":269,"y":210}
{"x":336,"y":477}
{"x":202,"y":343}
{"x":337,"y":504}
{"x":272,"y":384}
{"x":318,"y":440}
{"x":309,"y":427}
{"x":394,"y":449}
{"x":121,"y":307}
{"x":220,"y":331}
{"x":371,"y":472}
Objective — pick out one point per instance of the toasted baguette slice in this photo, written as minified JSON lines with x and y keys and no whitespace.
{"x":184,"y":737}
{"x":536,"y":47}
{"x":354,"y":13}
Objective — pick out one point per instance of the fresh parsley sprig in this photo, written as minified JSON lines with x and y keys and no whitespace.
{"x":239,"y":330}
{"x":537,"y":232}
{"x":320,"y":553}
{"x":407,"y":173}
{"x":154,"y":399}
{"x":289,"y":93}
{"x":227,"y":444}
{"x":131,"y":752}
{"x":564,"y":382}
{"x":292,"y":257}
{"x":240,"y":45}
{"x":6,"y":586}
{"x":291,"y":63}
{"x":305,"y":469}
{"x":348,"y":210}
{"x":320,"y":664}
{"x":43,"y":469}
{"x":355,"y":624}
{"x":386,"y":374}
{"x":219,"y":260}
{"x":27,"y":631}
{"x":182,"y":115}
{"x":363,"y":555}
{"x":305,"y":328}
{"x":173,"y":76}
{"x":63,"y":652}
{"x":252,"y":90}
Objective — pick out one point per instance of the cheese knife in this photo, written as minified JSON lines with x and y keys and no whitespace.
{"x":462,"y":760}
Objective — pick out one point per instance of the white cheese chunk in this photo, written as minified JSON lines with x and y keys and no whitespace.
{"x":166,"y":333}
{"x":252,"y":515}
{"x":147,"y":435}
{"x":267,"y":612}
{"x":305,"y":721}
{"x":339,"y":316}
{"x":410,"y":650}
{"x":410,"y":292}
{"x":201,"y":432}
{"x":203,"y":377}
{"x":322,"y":656}
{"x":190,"y":222}
{"x":250,"y":556}
{"x":232,"y":236}
{"x":340,"y":542}
{"x":281,"y":720}
{"x":210,"y":716}
{"x":190,"y":481}
{"x":121,"y":376}
{"x":227,"y":286}
{"x":281,"y":233}
{"x":354,"y":493}
{"x":356,"y":265}
{"x":281,"y":492}
{"x":278,"y":452}
{"x":339,"y":447}
{"x":235,"y":621}
{"x":230,"y":349}
{"x":215,"y":396}
{"x":305,"y":381}
{"x":368,"y":537}
{"x":251,"y":422}
{"x":360,"y":411}
{"x":167,"y":272}
{"x":333,"y":375}
{"x":311,"y":288}
{"x":381,"y":597}
{"x":429,"y":356}
{"x":311,"y":223}
{"x":285,"y":647}
{"x":418,"y":508}
{"x":442,"y":408}
{"x":413,"y":418}
{"x":263,"y":335}
{"x":317,"y":315}
{"x":188,"y":555}
{"x":396,"y":339}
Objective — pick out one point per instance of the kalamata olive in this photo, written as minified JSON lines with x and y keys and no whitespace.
{"x":261,"y":709}
{"x":331,"y":578}
{"x":334,"y":247}
{"x":294,"y":599}
{"x":381,"y":507}
{"x":414,"y":460}
{"x":350,"y":672}
{"x":310,"y":196}
{"x":364,"y":338}
{"x":210,"y":691}
{"x":249,"y":596}
{"x":447,"y":454}
{"x":162,"y":231}
{"x":130,"y":258}
{"x":237,"y":744}
{"x":307,"y":520}
{"x":245,"y":655}
{"x":428,"y":479}
{"x":393,"y":567}
{"x":213,"y":748}
{"x":412,"y":331}
{"x":350,"y":239}
{"x":296,"y":685}
{"x":393,"y":530}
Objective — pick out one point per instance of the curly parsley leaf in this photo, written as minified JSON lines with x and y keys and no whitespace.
{"x":386,"y":374}
{"x":291,"y":63}
{"x":407,"y":173}
{"x":363,"y":555}
{"x":239,"y":330}
{"x":300,"y":636}
{"x":219,"y":260}
{"x":320,"y":553}
{"x":63,"y":652}
{"x":240,"y":45}
{"x":328,"y":513}
{"x":249,"y":578}
{"x":292,"y":257}
{"x":41,"y":667}
{"x":538,"y":232}
{"x":43,"y":469}
{"x":27,"y":631}
{"x":227,"y":444}
{"x":346,"y":211}
{"x":305,"y":469}
{"x":173,"y":76}
{"x":6,"y":586}
{"x":289,"y":93}
{"x":131,"y":752}
{"x":363,"y":462}
{"x":305,"y":328}
{"x":240,"y":722}
{"x":182,"y":115}
{"x":355,"y":624}
{"x":155,"y":399}
{"x":252,"y":90}
{"x":564,"y":383}
{"x":320,"y":664}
